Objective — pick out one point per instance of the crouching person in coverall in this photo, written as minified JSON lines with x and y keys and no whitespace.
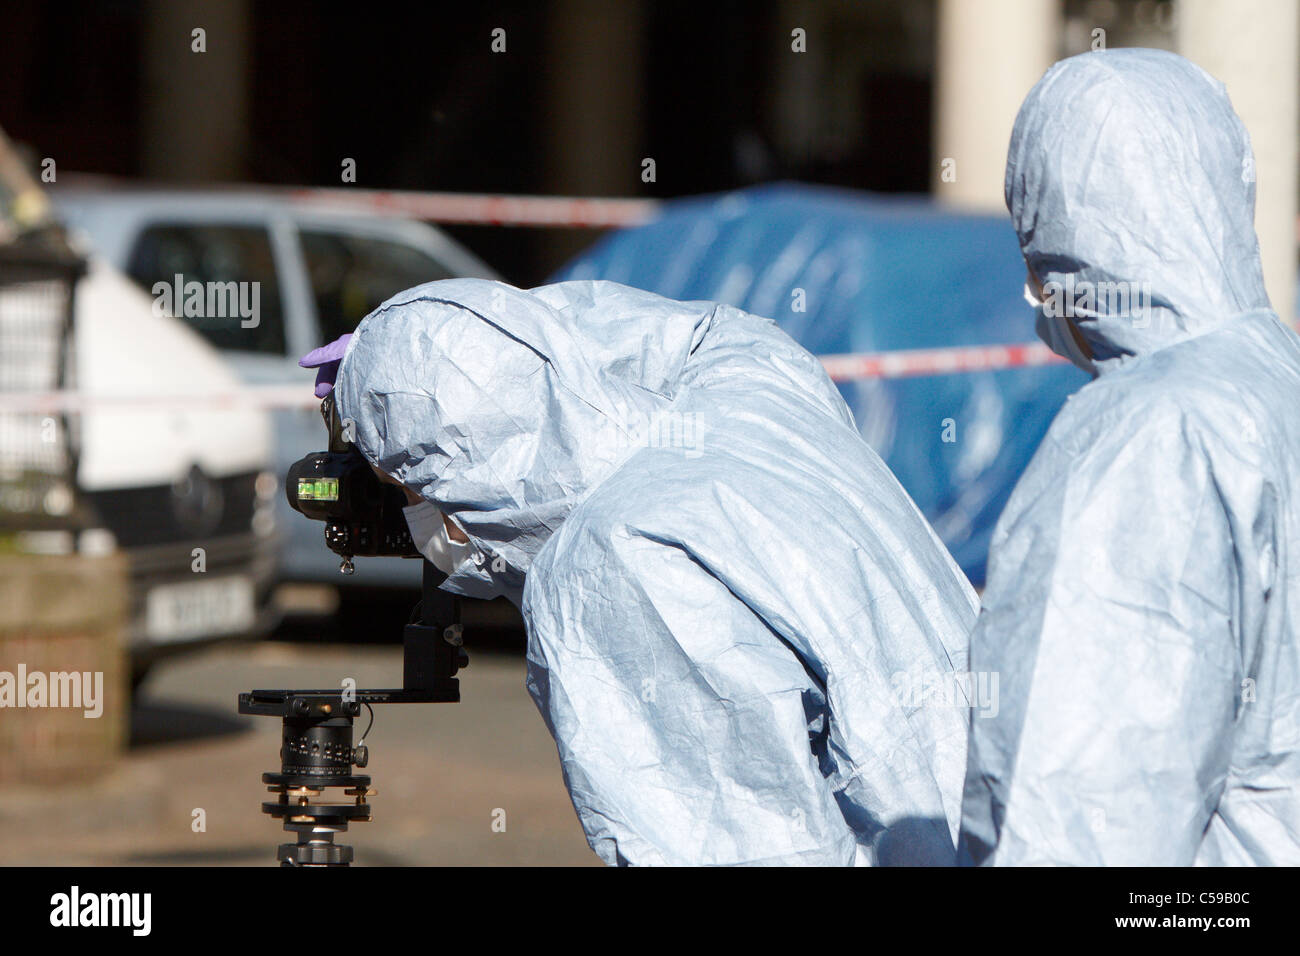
{"x":721,"y":582}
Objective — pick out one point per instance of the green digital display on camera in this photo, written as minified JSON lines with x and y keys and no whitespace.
{"x":318,"y":489}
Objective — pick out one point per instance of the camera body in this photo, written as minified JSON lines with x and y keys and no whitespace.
{"x":362,"y":515}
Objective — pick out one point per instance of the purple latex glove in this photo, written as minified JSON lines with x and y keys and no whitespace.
{"x":326,"y":361}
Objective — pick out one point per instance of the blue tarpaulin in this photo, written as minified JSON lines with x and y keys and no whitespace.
{"x":845,"y":272}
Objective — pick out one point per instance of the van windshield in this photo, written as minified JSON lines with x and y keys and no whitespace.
{"x":220,"y":279}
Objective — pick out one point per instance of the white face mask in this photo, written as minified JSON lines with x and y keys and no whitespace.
{"x":429,"y":532}
{"x":1056,"y":332}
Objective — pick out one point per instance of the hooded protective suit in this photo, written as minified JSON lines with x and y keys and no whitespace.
{"x":1141,"y":610}
{"x":741,"y":630}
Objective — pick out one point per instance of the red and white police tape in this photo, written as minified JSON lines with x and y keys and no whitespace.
{"x":905,"y":363}
{"x":484,"y":209}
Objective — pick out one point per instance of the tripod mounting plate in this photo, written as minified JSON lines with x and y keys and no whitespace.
{"x":324,"y":703}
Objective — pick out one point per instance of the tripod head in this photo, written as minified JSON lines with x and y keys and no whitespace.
{"x":317,"y":752}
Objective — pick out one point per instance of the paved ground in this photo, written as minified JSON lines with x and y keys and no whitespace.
{"x":441,"y":770}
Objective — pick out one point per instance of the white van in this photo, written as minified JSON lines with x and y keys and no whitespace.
{"x":184,"y":488}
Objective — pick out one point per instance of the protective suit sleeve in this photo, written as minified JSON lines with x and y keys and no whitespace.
{"x":686,"y":729}
{"x":1109,"y":624}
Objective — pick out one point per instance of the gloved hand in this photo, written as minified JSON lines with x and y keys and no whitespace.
{"x":326,"y":360}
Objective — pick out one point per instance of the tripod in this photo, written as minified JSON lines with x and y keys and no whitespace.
{"x":317,"y":752}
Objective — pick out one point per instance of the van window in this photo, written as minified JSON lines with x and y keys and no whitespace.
{"x":351,"y":275}
{"x":236,"y":302}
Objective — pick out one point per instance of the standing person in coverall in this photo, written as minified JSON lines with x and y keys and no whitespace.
{"x":721,"y":582}
{"x":1144,"y":585}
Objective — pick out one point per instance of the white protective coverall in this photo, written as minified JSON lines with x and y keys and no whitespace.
{"x":1141,"y":608}
{"x":737,"y":618}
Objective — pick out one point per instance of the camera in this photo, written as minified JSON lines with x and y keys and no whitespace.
{"x":362,"y":515}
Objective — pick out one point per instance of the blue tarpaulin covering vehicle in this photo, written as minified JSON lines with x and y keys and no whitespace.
{"x":848,"y":273}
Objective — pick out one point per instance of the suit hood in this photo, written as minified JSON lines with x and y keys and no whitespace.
{"x":1131,"y":186}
